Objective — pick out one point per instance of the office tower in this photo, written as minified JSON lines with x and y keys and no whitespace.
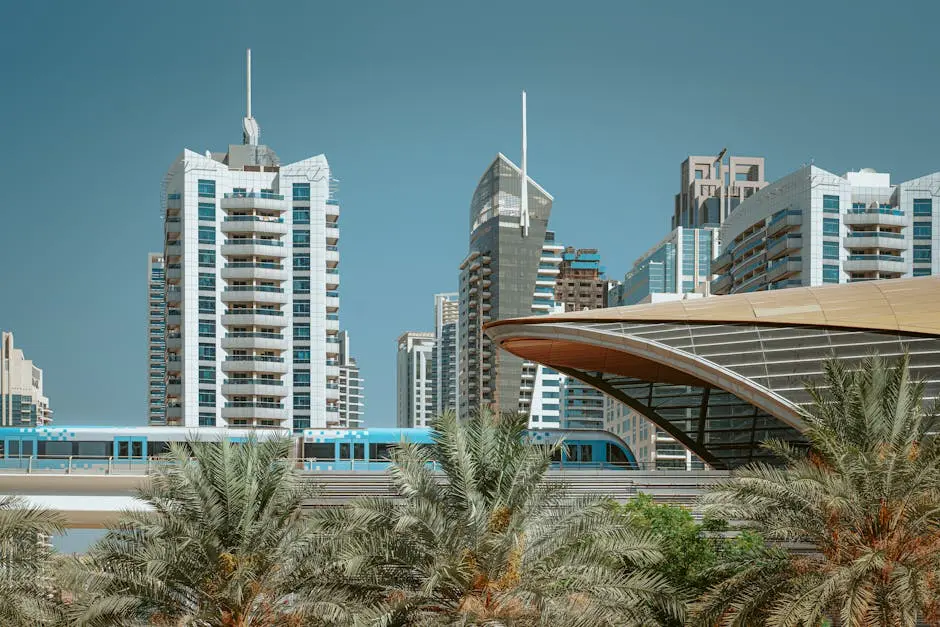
{"x":444,"y":366}
{"x":679,"y":264}
{"x":814,"y":227}
{"x":22,"y":402}
{"x":580,"y":285}
{"x":508,"y":218}
{"x":713,"y":186}
{"x":415,"y":384}
{"x":252,"y":277}
{"x":156,"y":339}
{"x":351,"y":387}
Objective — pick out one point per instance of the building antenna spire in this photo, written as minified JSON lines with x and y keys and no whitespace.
{"x":251,"y":130}
{"x":524,"y":194}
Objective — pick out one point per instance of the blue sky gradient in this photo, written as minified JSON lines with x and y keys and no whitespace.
{"x":410,"y":101}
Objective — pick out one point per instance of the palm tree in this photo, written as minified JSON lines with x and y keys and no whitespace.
{"x":489,"y":540}
{"x":866,"y":497}
{"x":224,"y":543}
{"x":26,"y":568}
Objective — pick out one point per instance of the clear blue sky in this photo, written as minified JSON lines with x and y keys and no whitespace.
{"x":410,"y":102}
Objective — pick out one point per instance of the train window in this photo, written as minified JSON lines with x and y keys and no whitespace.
{"x":344,"y":450}
{"x":137,"y":449}
{"x":155,"y":449}
{"x":95,"y":449}
{"x":2,"y":443}
{"x":380,"y":451}
{"x":122,"y":449}
{"x":27,"y":448}
{"x":54,"y":449}
{"x":14,"y":448}
{"x":319,"y":450}
{"x":616,"y":456}
{"x":556,"y":455}
{"x":585,"y":453}
{"x":359,"y":450}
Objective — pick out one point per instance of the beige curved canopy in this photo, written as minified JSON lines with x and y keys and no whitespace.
{"x":905,"y":305}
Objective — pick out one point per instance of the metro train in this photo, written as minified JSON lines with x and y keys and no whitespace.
{"x":110,"y":448}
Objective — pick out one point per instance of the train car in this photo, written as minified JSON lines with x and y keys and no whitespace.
{"x":55,"y":447}
{"x":368,"y":449}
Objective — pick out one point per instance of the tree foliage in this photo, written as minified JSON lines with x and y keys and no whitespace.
{"x":864,"y":503}
{"x":497,"y":543}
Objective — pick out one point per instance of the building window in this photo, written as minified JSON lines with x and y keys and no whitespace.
{"x":301,"y":401}
{"x":699,"y":175}
{"x":206,"y":399}
{"x":206,"y":281}
{"x":302,"y":215}
{"x":206,"y":329}
{"x":830,"y":203}
{"x":302,"y":308}
{"x":206,"y":258}
{"x":921,"y":271}
{"x":206,"y":305}
{"x":922,"y":253}
{"x":206,"y":419}
{"x":302,"y":238}
{"x":207,"y":211}
{"x":831,"y":226}
{"x":206,"y":189}
{"x":922,"y":230}
{"x":301,"y":262}
{"x":923,"y":207}
{"x":301,"y":331}
{"x":302,"y":378}
{"x":830,"y":273}
{"x":301,"y":286}
{"x":207,"y":235}
{"x":206,"y":374}
{"x":207,"y":352}
{"x":830,"y":250}
{"x":302,"y":356}
{"x":301,"y":191}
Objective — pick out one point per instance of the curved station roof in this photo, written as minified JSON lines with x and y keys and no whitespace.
{"x":721,"y":374}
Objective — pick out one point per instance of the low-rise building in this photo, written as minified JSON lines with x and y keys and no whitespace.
{"x":22,"y":401}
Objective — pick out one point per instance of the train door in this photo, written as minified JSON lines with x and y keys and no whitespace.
{"x":18,"y":449}
{"x":130,"y":448}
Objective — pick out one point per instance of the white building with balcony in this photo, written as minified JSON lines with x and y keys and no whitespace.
{"x":415,"y":382}
{"x":814,"y":227}
{"x":22,"y":400}
{"x":252,"y":278}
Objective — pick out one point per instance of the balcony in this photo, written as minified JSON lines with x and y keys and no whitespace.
{"x":249,"y":409}
{"x":172,"y":225}
{"x":174,"y":249}
{"x":254,"y":387}
{"x":332,"y":211}
{"x":332,"y":234}
{"x":251,"y":271}
{"x":254,"y":294}
{"x":254,"y":200}
{"x":254,"y":363}
{"x":254,"y":317}
{"x":891,"y":264}
{"x":174,"y":342}
{"x":722,"y":263}
{"x":332,"y":304}
{"x":175,"y":412}
{"x":875,"y":239}
{"x":174,"y":296}
{"x":254,"y":247}
{"x":784,"y":221}
{"x":254,"y":340}
{"x":174,"y":201}
{"x":783,"y":245}
{"x":788,"y":266}
{"x":875,"y":217}
{"x":254,"y":224}
{"x":332,"y":257}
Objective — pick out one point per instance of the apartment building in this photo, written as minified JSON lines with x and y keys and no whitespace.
{"x":712,"y":187}
{"x":22,"y":400}
{"x":156,"y":339}
{"x":415,"y":384}
{"x":351,"y":388}
{"x":446,"y":351}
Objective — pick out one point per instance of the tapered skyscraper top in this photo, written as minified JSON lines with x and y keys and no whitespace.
{"x":250,"y":128}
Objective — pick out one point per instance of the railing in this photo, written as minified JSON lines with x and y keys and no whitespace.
{"x":255,"y":404}
{"x":254,"y":288}
{"x":173,"y":196}
{"x":780,"y":215}
{"x":250,"y":264}
{"x":254,"y":382}
{"x":253,"y":219}
{"x":877,"y":234}
{"x":270,"y":336}
{"x":253,"y":242}
{"x":254,"y":312}
{"x":896,"y":258}
{"x":265,"y":195}
{"x":268,"y":358}
{"x":879,"y":210}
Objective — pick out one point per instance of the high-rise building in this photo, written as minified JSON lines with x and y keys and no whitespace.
{"x":444,"y":366}
{"x":351,"y":387}
{"x":156,"y":339}
{"x":580,"y":285}
{"x":22,"y":402}
{"x":252,"y":277}
{"x":415,"y":388}
{"x":508,"y":219}
{"x":814,"y":227}
{"x":712,"y":187}
{"x":679,"y":264}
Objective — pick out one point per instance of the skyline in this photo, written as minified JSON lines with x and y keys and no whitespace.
{"x":113,"y":123}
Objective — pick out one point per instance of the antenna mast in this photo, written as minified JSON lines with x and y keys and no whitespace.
{"x":251,"y":130}
{"x":524,"y":195}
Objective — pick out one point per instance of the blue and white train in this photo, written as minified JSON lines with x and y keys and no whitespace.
{"x":53,"y":447}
